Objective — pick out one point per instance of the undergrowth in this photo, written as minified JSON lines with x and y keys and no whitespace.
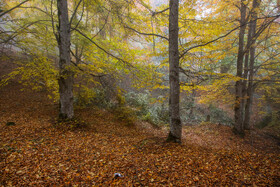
{"x":153,"y":109}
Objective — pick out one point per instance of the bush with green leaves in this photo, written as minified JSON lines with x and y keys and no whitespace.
{"x":147,"y":108}
{"x":95,"y":96}
{"x":271,"y":119}
{"x":219,"y":116}
{"x":194,"y":113}
{"x":155,"y":110}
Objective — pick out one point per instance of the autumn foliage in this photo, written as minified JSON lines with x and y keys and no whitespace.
{"x":90,"y":92}
{"x":35,"y":153}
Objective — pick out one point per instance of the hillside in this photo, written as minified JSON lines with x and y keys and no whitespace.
{"x":34,"y":152}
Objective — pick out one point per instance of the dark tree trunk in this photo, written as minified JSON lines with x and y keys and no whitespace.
{"x":249,"y":100}
{"x":175,"y":133}
{"x":238,"y":116}
{"x":65,"y":80}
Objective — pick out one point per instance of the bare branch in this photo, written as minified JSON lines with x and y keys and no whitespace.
{"x":225,"y":35}
{"x":201,"y":45}
{"x":79,"y":68}
{"x":81,"y":17}
{"x":98,"y":46}
{"x":159,"y":12}
{"x":37,"y":8}
{"x":147,"y":34}
{"x":53,"y":28}
{"x":74,"y":13}
{"x":7,"y":11}
{"x":24,"y":27}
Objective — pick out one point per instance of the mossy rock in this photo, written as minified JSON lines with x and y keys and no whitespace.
{"x":10,"y":123}
{"x":71,"y":124}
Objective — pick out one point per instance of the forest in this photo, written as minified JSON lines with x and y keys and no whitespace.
{"x":139,"y":93}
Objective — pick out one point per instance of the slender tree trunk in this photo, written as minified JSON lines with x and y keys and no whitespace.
{"x":250,"y":91}
{"x":249,"y":100}
{"x":238,"y":116}
{"x":65,"y":73}
{"x":245,"y":78}
{"x":175,"y":133}
{"x":246,"y":69}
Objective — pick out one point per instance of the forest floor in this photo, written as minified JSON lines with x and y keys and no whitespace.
{"x":33,"y":152}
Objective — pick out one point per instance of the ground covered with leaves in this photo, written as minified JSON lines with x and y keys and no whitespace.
{"x":34,"y":152}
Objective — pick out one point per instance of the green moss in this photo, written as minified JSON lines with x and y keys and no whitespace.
{"x":10,"y":123}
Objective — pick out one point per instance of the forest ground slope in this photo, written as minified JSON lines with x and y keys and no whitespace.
{"x":34,"y":152}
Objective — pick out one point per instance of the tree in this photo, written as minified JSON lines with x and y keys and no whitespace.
{"x":175,"y":133}
{"x":238,"y":113}
{"x":106,"y":41}
{"x":244,"y":98}
{"x":252,"y":48}
{"x":66,"y":77}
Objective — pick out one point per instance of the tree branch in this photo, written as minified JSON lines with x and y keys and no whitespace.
{"x":7,"y":11}
{"x":147,"y":34}
{"x":76,"y":65}
{"x":225,"y":35}
{"x":24,"y":27}
{"x":102,"y":49}
{"x":159,"y":12}
{"x":74,"y":13}
{"x":36,"y":8}
{"x":106,"y":20}
{"x":201,"y":45}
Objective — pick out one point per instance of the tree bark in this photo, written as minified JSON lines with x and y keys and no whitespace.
{"x":249,"y":100}
{"x":66,"y":79}
{"x":175,"y":133}
{"x":238,"y":116}
{"x":246,"y":68}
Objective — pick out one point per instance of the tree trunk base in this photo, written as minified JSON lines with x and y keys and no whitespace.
{"x":171,"y":138}
{"x":247,"y":128}
{"x":64,"y":117}
{"x":238,"y":132}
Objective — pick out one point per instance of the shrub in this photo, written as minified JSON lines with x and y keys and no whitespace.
{"x":94,"y":97}
{"x":193,"y":113}
{"x":218,"y":115}
{"x":146,"y":109}
{"x":271,"y":119}
{"x":125,"y":115}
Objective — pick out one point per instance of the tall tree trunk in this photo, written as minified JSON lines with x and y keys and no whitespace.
{"x":65,"y":73}
{"x":238,"y":117}
{"x":175,"y":133}
{"x":249,"y":100}
{"x":246,"y":69}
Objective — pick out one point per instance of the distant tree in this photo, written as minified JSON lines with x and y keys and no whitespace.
{"x":246,"y":59}
{"x":249,"y":67}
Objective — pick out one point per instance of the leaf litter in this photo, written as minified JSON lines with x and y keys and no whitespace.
{"x":34,"y":153}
